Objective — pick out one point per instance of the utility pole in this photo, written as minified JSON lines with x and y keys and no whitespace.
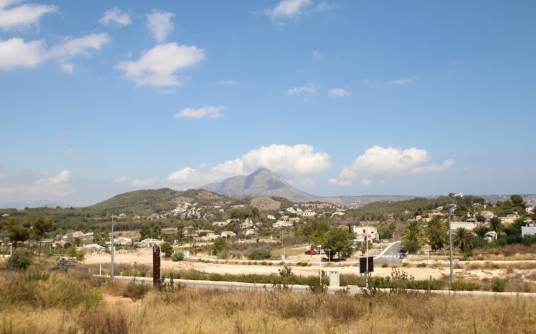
{"x":450,"y":253}
{"x":365,"y":232}
{"x":112,"y":251}
{"x":320,"y":267}
{"x":284,"y":248}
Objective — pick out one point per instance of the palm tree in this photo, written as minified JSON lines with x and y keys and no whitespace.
{"x":463,"y":238}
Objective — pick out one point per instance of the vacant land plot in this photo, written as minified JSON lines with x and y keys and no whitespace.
{"x":53,"y":304}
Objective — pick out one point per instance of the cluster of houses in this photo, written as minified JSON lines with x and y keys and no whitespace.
{"x":471,"y":222}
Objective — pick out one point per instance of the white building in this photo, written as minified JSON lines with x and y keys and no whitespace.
{"x":250,"y":232}
{"x":221,"y":224}
{"x":308,"y":214}
{"x":466,"y":225}
{"x":147,"y":243}
{"x":282,"y":223}
{"x":370,"y":231}
{"x":228,"y":234}
{"x":528,"y":230}
{"x":93,"y":248}
{"x":122,"y":241}
{"x":248,"y":223}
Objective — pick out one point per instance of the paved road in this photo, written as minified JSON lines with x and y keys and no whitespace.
{"x":392,"y":249}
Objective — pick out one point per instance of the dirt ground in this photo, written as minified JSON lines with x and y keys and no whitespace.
{"x":144,"y":256}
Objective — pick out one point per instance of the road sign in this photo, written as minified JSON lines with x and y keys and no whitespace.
{"x":363,"y":264}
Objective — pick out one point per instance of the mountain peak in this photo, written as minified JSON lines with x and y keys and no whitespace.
{"x":262,"y":182}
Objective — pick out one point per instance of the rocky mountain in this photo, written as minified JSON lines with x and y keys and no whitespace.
{"x":262,"y":182}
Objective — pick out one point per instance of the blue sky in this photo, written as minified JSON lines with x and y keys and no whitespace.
{"x":339,"y":97}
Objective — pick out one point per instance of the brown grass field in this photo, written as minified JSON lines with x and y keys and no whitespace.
{"x":34,"y":302}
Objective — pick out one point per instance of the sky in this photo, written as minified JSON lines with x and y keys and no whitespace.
{"x":340,"y":97}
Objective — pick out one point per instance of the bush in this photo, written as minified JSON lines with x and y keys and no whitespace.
{"x":461,"y":285}
{"x":167,"y":249}
{"x":21,"y":259}
{"x":498,"y":285}
{"x":135,"y":290}
{"x":259,"y":254}
{"x":177,"y":256}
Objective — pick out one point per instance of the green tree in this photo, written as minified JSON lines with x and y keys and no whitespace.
{"x":150,"y":231}
{"x":386,"y":231}
{"x":517,"y":201}
{"x":481,"y":231}
{"x":21,"y":259}
{"x":338,"y":241}
{"x":463,"y":239}
{"x":412,"y":237}
{"x":436,"y":233}
{"x":219,"y":246}
{"x":17,"y":232}
{"x":167,"y":249}
{"x":495,"y":224}
{"x":40,"y":227}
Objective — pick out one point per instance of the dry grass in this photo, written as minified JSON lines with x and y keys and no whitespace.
{"x":210,"y":311}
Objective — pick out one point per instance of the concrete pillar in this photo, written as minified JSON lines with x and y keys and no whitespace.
{"x":334,"y":279}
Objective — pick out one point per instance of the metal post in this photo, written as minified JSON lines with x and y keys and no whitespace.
{"x":112,"y":251}
{"x":450,"y":255}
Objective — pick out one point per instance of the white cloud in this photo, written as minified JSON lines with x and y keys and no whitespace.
{"x":158,"y":66}
{"x":403,"y":81}
{"x":338,"y":92}
{"x":160,"y":24}
{"x":141,"y":183}
{"x":71,"y":47}
{"x":308,"y":89}
{"x":116,"y":16}
{"x":185,"y":176}
{"x":206,"y":112}
{"x":298,"y":159}
{"x":16,"y":52}
{"x":287,"y":9}
{"x":337,"y":182}
{"x":68,"y":152}
{"x":13,"y":15}
{"x":434,"y":168}
{"x":30,"y":186}
{"x":379,"y":162}
{"x":67,"y":68}
{"x":292,"y":161}
{"x":136,"y":182}
{"x":317,"y":55}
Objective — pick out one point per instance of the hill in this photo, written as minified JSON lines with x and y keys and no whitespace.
{"x":146,"y":202}
{"x":261,"y":183}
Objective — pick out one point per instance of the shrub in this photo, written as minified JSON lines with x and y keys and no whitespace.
{"x":259,"y":254}
{"x":498,"y":285}
{"x":135,"y":290}
{"x":421,"y":265}
{"x":21,"y":259}
{"x":461,"y":285}
{"x":177,"y":256}
{"x":167,"y":249}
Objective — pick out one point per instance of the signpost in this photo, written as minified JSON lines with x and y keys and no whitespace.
{"x":366,"y":264}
